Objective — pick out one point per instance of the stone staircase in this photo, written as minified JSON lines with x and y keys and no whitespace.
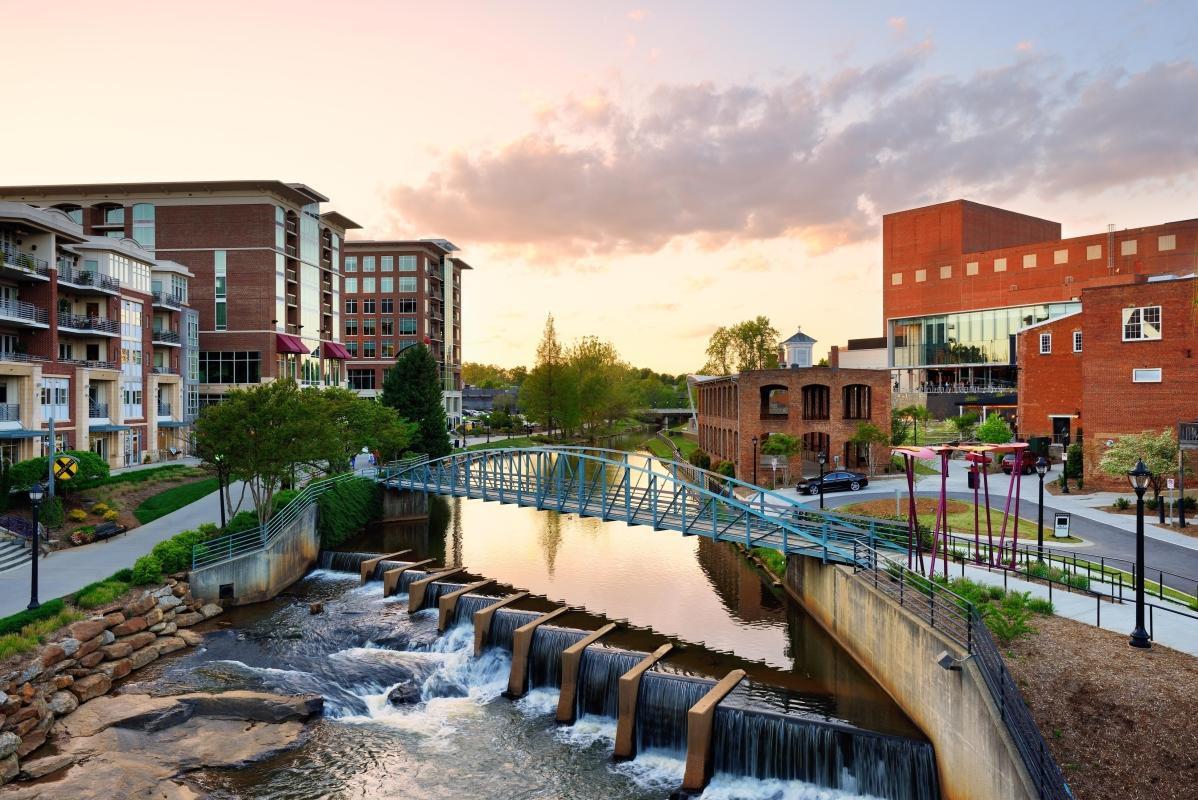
{"x":12,"y":554}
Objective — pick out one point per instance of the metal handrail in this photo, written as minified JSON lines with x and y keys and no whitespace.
{"x":19,"y":309}
{"x":97,"y":410}
{"x":10,"y":412}
{"x":163,"y":335}
{"x":24,"y":261}
{"x":164,"y":299}
{"x":80,"y":322}
{"x":156,"y":370}
{"x":82,"y":277}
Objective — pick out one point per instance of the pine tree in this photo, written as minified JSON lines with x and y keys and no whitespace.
{"x":548,"y":395}
{"x":413,"y":388}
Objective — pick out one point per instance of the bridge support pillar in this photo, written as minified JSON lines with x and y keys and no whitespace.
{"x":700,"y":722}
{"x":571,"y":660}
{"x":391,"y":576}
{"x":628,"y":687}
{"x":521,"y":644}
{"x":448,"y":604}
{"x":482,"y":620}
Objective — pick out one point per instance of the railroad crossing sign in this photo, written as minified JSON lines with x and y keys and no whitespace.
{"x":65,"y":467}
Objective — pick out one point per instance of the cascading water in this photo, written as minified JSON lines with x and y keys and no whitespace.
{"x":385,"y":566}
{"x":342,"y":562}
{"x":661,"y":707}
{"x":435,"y":591}
{"x":545,"y":654}
{"x":504,"y":624}
{"x":468,"y":604}
{"x":408,"y":578}
{"x":766,"y":745}
{"x":599,"y":674}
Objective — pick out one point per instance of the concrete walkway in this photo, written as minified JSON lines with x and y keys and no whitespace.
{"x":69,"y":570}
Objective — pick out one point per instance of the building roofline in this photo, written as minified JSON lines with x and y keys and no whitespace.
{"x":297,"y":193}
{"x":408,"y":243}
{"x":47,"y":219}
{"x":340,"y":220}
{"x":1048,"y":321}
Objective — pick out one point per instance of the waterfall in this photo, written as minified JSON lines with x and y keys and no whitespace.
{"x":661,"y":708}
{"x":468,"y":604}
{"x":386,"y":566}
{"x":435,"y":591}
{"x":599,"y":678}
{"x":545,"y":654}
{"x":407,"y":578}
{"x":504,"y":624}
{"x":768,"y":745}
{"x":342,"y":562}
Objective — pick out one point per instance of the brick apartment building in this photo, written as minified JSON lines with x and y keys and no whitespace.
{"x":822,"y":406}
{"x":1125,"y":362}
{"x":265,"y":261}
{"x":398,"y":294}
{"x":96,"y":335}
{"x":961,"y":278}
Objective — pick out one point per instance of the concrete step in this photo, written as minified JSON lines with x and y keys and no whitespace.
{"x":12,"y":555}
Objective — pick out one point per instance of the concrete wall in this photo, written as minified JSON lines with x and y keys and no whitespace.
{"x":975,"y":757}
{"x":261,"y":575}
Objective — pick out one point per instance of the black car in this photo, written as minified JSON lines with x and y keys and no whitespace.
{"x":840,"y":481}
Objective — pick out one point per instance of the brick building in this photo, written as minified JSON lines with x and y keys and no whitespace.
{"x":96,"y":335}
{"x":821,"y":406}
{"x":1125,"y":362}
{"x":960,"y":279}
{"x":397,"y":294}
{"x":266,"y":263}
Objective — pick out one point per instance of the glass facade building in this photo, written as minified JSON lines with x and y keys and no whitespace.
{"x":967,"y":338}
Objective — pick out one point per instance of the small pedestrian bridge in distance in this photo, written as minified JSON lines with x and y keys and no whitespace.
{"x":641,"y":489}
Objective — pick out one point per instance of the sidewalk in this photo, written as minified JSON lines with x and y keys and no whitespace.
{"x":185,"y":461}
{"x":66,"y":571}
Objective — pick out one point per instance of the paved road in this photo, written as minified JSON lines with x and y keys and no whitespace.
{"x":69,"y":570}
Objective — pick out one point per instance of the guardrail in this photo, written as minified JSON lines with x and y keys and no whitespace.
{"x":68,"y":273}
{"x":80,"y":322}
{"x":19,"y":309}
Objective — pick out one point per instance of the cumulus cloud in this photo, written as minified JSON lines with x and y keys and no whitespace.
{"x":814,"y":158}
{"x":897,"y":24}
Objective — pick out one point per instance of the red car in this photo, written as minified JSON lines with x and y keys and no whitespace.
{"x":1027,"y":466}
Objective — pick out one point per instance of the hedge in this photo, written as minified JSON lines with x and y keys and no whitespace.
{"x":346,"y":508}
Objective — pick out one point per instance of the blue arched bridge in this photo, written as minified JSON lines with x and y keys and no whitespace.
{"x":640,"y":489}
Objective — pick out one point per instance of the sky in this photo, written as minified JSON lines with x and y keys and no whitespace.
{"x":643,"y":171}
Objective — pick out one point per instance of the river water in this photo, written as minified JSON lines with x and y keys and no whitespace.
{"x":463,"y":739}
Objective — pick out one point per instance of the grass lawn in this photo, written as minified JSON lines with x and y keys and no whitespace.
{"x":173,"y":499}
{"x":960,"y":515}
{"x":685,"y":445}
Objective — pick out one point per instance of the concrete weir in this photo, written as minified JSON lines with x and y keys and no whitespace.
{"x":482,"y":620}
{"x":391,"y":577}
{"x":369,"y":564}
{"x":700,"y":722}
{"x":630,"y":684}
{"x":449,"y":603}
{"x":418,"y":588}
{"x":571,"y":659}
{"x":521,"y":642}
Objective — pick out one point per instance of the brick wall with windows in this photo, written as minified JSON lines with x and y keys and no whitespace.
{"x":1050,"y":384}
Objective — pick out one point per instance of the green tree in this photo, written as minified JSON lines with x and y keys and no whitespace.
{"x":871,"y":436}
{"x":1073,"y":461}
{"x":995,"y":430}
{"x":548,"y":395}
{"x":413,"y":388}
{"x":354,"y":423}
{"x":780,"y":444}
{"x":745,"y":346}
{"x":965,"y":424}
{"x":1158,"y":451}
{"x":914,"y":414}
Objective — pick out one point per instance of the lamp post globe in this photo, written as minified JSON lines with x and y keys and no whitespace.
{"x":36,"y":493}
{"x":1041,"y":470}
{"x":1139,"y":477}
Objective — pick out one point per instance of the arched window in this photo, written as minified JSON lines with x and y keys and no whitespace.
{"x":73,"y":211}
{"x":775,"y":402}
{"x":816,"y":401}
{"x":815,"y":443}
{"x":856,"y":401}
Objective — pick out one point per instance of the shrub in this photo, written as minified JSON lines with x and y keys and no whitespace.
{"x":1122,"y":503}
{"x":76,"y":515}
{"x":50,"y":514}
{"x":726,"y":468}
{"x":147,"y":570}
{"x":1077,"y":580}
{"x":101,"y":593}
{"x":111,"y":515}
{"x":346,"y":508}
{"x":84,"y":535}
{"x":1073,"y":462}
{"x":700,"y":459}
{"x":125,"y":575}
{"x":174,"y":554}
{"x":1040,"y":605}
{"x":1150,"y":503}
{"x":99,"y":508}
{"x":1008,"y":620}
{"x":93,"y":470}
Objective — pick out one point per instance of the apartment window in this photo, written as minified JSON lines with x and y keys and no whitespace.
{"x":896,"y":279}
{"x":55,"y":399}
{"x":230,"y":366}
{"x":280,"y":228}
{"x":143,"y":225}
{"x":407,"y":284}
{"x":352,"y":348}
{"x":1077,"y":341}
{"x":1029,"y":260}
{"x":921,"y":275}
{"x":407,"y":325}
{"x":361,"y":378}
{"x":1045,"y":343}
{"x":1146,"y":375}
{"x":1060,"y":256}
{"x":388,"y":305}
{"x":351,"y":327}
{"x":1093,"y":252}
{"x":971,"y":268}
{"x":388,"y":348}
{"x":368,"y":286}
{"x":368,"y":305}
{"x":114,"y":216}
{"x":131,"y":400}
{"x":351,"y":285}
{"x":1000,"y":265}
{"x":407,"y":263}
{"x":1168,"y":242}
{"x":387,"y":284}
{"x":351,"y":263}
{"x":368,"y":326}
{"x":404,"y":344}
{"x":221,"y":293}
{"x":407,"y":305}
{"x":1142,"y":324}
{"x":65,"y":352}
{"x":387,"y":326}
{"x":1127,"y":248}
{"x":368,"y":349}
{"x":946,"y":272}
{"x":386,"y":263}
{"x":368,"y":263}
{"x":351,"y":306}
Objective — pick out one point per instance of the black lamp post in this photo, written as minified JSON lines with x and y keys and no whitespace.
{"x":35,"y":500}
{"x":754,"y":460}
{"x":822,"y":459}
{"x":1041,"y":469}
{"x":1139,"y":477}
{"x":219,"y":460}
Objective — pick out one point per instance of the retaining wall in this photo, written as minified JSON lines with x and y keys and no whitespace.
{"x":262,"y":574}
{"x":975,"y":756}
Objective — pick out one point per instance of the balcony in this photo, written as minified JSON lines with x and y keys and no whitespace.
{"x":290,"y":250}
{"x":164,"y":409}
{"x":22,"y":312}
{"x":89,"y":364}
{"x":81,"y":324}
{"x":169,"y":338}
{"x":10,"y":355}
{"x":86,"y":280}
{"x":10,"y":412}
{"x":156,"y":370}
{"x":164,"y":300}
{"x":97,"y":410}
{"x":291,"y":300}
{"x":291,"y":278}
{"x":22,"y":266}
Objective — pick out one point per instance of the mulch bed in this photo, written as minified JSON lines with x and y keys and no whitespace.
{"x":1121,"y":722}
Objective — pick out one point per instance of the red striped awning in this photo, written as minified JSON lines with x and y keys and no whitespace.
{"x":334,"y":350}
{"x":290,"y":344}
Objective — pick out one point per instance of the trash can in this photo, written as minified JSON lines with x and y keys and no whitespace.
{"x":973,"y":476}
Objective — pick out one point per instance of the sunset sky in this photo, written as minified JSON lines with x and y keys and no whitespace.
{"x":644,"y":171}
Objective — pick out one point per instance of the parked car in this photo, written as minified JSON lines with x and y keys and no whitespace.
{"x":839,"y":481}
{"x":1027,"y":467}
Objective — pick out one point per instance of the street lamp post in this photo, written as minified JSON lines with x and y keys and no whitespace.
{"x":754,"y":460}
{"x":1139,"y":477}
{"x":1041,"y":469}
{"x":219,"y":460}
{"x":35,"y":500}
{"x":823,"y":459}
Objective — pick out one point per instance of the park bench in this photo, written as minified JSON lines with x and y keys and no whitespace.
{"x":107,"y":530}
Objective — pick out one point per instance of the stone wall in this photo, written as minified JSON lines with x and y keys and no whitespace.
{"x":85,"y":659}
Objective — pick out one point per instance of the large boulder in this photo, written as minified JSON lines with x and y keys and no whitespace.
{"x":130,"y":626}
{"x":169,"y":644}
{"x":91,"y":686}
{"x":258,"y":706}
{"x":9,"y":742}
{"x":87,"y":629}
{"x":143,"y":656}
{"x":405,"y":693}
{"x":63,"y":703}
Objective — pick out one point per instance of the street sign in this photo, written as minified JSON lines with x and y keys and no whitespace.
{"x":1060,"y":527}
{"x":1171,"y":484}
{"x":65,"y":468}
